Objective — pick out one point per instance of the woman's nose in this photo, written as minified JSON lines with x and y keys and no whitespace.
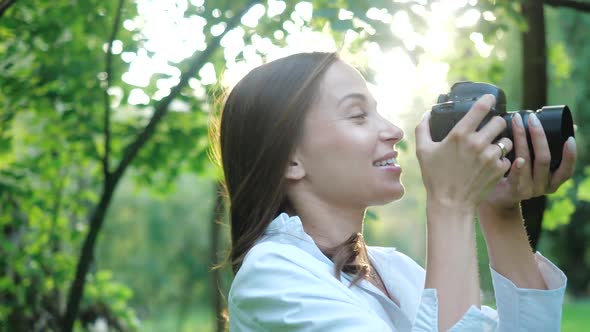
{"x":390,"y":132}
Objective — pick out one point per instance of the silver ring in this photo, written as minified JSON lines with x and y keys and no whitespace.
{"x":502,"y":149}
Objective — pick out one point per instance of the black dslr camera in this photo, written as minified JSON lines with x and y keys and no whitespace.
{"x":450,"y":108}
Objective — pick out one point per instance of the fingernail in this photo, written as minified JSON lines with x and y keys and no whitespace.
{"x":534,"y":120}
{"x":489,"y":98}
{"x":519,"y":162}
{"x":427,"y":113}
{"x":571,"y":144}
{"x":518,"y":120}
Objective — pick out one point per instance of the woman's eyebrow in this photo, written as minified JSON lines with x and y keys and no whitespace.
{"x":354,"y":95}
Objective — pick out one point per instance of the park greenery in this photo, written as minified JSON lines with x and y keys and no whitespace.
{"x":111,"y":212}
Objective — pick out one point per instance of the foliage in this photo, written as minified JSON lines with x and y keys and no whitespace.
{"x":54,"y":79}
{"x":56,"y":91}
{"x":166,"y":238}
{"x":568,"y":58}
{"x":566,"y":242}
{"x":51,"y":102}
{"x":575,"y":316}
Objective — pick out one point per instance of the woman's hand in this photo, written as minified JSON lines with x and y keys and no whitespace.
{"x":499,"y":215}
{"x":462,"y":169}
{"x":526,"y":180}
{"x":458,"y":173}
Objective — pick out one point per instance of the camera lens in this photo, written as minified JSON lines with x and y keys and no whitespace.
{"x":558,"y":125}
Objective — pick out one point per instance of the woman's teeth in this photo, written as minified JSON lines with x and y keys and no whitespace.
{"x":387,"y":162}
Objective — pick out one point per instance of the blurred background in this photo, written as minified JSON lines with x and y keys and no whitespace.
{"x":110,"y":216}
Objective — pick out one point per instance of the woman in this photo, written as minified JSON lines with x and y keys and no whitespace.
{"x":304,"y":153}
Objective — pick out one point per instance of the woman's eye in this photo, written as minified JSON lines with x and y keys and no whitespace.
{"x":360,"y":114}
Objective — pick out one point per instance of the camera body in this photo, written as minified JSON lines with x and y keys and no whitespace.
{"x":556,"y":120}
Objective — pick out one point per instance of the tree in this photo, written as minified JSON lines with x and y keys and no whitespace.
{"x":532,"y":93}
{"x":89,"y":149}
{"x":534,"y":86}
{"x":69,"y":133}
{"x":49,"y":86}
{"x":569,"y":209}
{"x":111,"y":179}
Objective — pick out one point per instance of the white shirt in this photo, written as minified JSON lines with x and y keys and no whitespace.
{"x":286,"y":283}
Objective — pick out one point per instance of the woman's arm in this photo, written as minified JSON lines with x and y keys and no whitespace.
{"x":458,"y":174}
{"x":508,"y":246}
{"x":529,"y":289}
{"x":451,"y":261}
{"x":500,"y":214}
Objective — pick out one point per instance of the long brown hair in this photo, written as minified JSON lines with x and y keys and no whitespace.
{"x":261,"y":122}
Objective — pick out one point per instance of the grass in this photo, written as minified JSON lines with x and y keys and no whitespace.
{"x":576,"y":316}
{"x":196,"y":320}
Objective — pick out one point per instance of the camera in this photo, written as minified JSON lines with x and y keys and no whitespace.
{"x":451,"y":107}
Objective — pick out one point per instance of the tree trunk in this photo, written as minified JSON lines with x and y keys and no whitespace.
{"x":131,"y":151}
{"x":569,"y":242}
{"x":534,"y":87}
{"x":4,"y":5}
{"x":572,"y":251}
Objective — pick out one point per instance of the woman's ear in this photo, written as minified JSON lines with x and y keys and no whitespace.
{"x":295,"y":170}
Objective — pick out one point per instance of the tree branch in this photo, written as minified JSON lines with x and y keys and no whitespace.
{"x":197,"y":61}
{"x":97,"y":217}
{"x":572,"y":4}
{"x":77,"y":287}
{"x":107,"y":100}
{"x":4,"y":5}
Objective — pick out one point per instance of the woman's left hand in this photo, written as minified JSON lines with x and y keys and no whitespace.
{"x":525,"y":180}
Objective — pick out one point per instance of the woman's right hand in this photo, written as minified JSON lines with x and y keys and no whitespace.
{"x":465,"y":166}
{"x":458,"y":172}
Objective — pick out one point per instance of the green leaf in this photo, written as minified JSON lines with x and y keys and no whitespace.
{"x":370,"y":215}
{"x":561,"y":64}
{"x":329,"y":13}
{"x":341,"y":25}
{"x":104,"y":275}
{"x":584,"y":190}
{"x":558,"y":214}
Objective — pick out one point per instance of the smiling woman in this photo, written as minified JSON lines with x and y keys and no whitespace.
{"x":305,"y":152}
{"x":344,"y":137}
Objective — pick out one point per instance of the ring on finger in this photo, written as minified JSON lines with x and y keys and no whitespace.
{"x":503,"y":150}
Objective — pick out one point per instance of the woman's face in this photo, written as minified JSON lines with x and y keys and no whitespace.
{"x":347,"y":149}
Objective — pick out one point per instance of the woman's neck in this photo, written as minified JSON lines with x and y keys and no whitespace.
{"x":327,"y":224}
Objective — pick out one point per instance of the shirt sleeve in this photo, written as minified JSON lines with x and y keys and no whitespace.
{"x":272,"y":292}
{"x":484,"y":319}
{"x":519,"y":309}
{"x":531,"y":309}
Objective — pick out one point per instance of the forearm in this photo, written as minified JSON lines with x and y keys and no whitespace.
{"x":508,"y":246}
{"x":451,"y":262}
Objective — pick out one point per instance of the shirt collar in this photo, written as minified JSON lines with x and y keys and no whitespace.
{"x":285,"y":224}
{"x":289,"y":230}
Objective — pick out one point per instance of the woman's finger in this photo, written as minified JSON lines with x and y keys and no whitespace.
{"x":517,"y":179}
{"x":542,"y":156}
{"x":505,"y":165}
{"x":475,"y":115}
{"x":521,"y":148}
{"x":494,"y":153}
{"x":567,"y":166}
{"x":500,"y":153}
{"x":492,"y":129}
{"x":422,"y":132}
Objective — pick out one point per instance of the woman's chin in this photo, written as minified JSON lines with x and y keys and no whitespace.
{"x":391,"y":195}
